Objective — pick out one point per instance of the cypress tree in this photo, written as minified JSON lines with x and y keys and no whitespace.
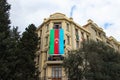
{"x":16,"y":55}
{"x":4,"y":39}
{"x":13,"y":52}
{"x":25,"y":68}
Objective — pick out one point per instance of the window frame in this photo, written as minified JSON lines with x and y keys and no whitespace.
{"x":67,"y":27}
{"x":77,"y":44}
{"x":68,"y":40}
{"x":76,"y":31}
{"x":59,"y":24}
{"x":56,"y":72}
{"x":47,"y":27}
{"x":46,"y":40}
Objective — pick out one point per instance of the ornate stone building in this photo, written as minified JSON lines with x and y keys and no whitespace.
{"x":50,"y":65}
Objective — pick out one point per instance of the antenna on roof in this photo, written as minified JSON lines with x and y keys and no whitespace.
{"x":72,"y":9}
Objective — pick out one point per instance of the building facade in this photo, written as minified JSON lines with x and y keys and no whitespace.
{"x":50,"y":66}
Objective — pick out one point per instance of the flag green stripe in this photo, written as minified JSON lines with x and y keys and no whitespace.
{"x":51,"y":42}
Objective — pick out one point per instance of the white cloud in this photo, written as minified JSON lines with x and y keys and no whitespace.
{"x":25,"y":12}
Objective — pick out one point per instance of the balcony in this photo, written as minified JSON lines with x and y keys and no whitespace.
{"x":54,"y":62}
{"x":57,"y":59}
{"x":51,"y":78}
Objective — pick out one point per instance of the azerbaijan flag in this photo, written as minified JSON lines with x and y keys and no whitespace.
{"x":56,"y":42}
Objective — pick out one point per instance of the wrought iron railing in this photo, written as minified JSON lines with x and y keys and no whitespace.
{"x":55,"y":58}
{"x":51,"y":78}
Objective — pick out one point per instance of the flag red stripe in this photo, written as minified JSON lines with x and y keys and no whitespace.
{"x":56,"y":42}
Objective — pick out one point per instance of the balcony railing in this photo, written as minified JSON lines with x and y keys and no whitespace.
{"x":51,"y":78}
{"x":54,"y":62}
{"x":55,"y":58}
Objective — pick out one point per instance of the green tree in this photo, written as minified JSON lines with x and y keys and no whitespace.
{"x":100,"y":62}
{"x":16,"y":55}
{"x":103,"y":61}
{"x":4,"y":39}
{"x":25,"y":67}
{"x":13,"y":53}
{"x":72,"y":64}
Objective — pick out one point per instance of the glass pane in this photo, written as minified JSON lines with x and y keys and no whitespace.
{"x":56,"y":72}
{"x":60,"y":72}
{"x":53,"y":72}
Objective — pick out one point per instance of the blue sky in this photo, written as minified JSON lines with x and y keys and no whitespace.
{"x":105,"y":13}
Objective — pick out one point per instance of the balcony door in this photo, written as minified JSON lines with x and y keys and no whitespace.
{"x":56,"y":73}
{"x":57,"y":25}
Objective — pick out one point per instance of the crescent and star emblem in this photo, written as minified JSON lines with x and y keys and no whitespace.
{"x":56,"y":40}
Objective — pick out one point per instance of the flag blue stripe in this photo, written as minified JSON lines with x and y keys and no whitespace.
{"x":61,"y":41}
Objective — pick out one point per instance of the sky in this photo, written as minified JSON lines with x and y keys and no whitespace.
{"x":105,"y":13}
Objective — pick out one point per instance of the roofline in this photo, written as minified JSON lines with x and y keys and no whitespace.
{"x":67,"y":19}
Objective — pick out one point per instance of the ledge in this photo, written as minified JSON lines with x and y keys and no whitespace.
{"x":54,"y":62}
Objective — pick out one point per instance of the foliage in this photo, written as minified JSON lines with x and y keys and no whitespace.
{"x":4,"y":39}
{"x":13,"y":53}
{"x":103,"y":61}
{"x":25,"y":67}
{"x":17,"y":54}
{"x":71,"y":64}
{"x":100,"y":62}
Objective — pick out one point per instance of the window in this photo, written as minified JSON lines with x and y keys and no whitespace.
{"x":76,"y":31}
{"x":76,"y":34}
{"x":67,"y":26}
{"x":77,"y":44}
{"x":46,"y":52}
{"x":108,"y":42}
{"x":47,"y":27}
{"x":99,"y":34}
{"x":97,"y":40}
{"x":82,"y":35}
{"x":40,"y":32}
{"x":87,"y":37}
{"x":56,"y":72}
{"x":39,"y":45}
{"x":68,"y":40}
{"x":57,"y":25}
{"x":68,"y":51}
{"x":95,"y":32}
{"x":46,"y":40}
